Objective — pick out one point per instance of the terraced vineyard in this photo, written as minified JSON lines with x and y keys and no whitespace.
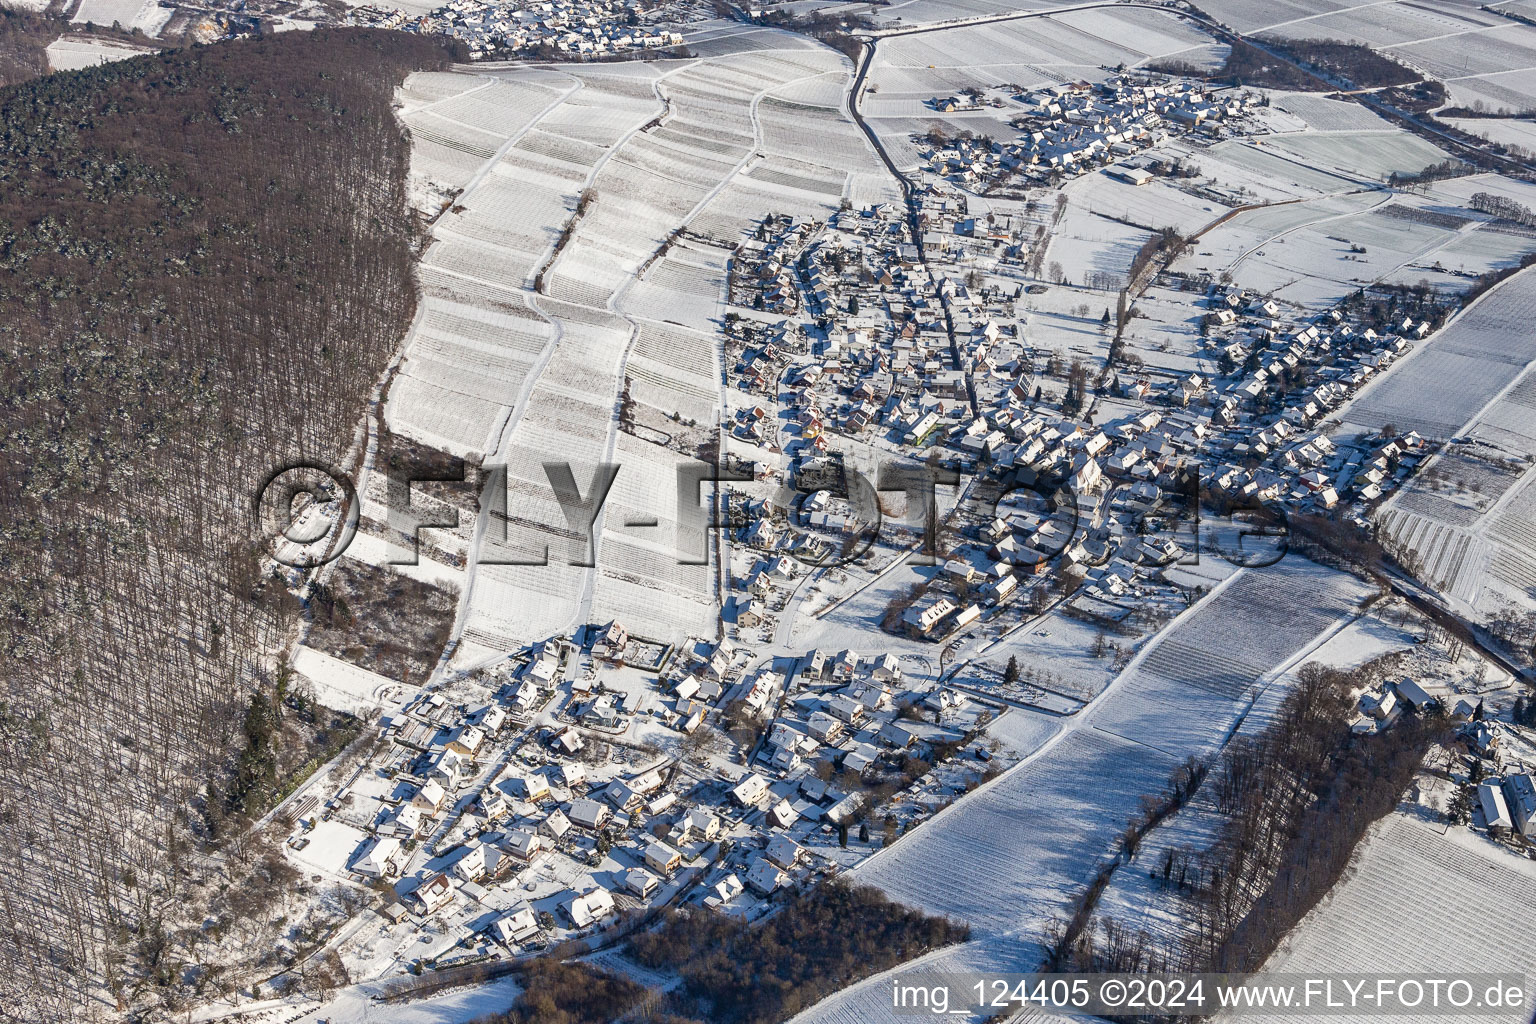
{"x":563,"y":253}
{"x":1465,"y":366}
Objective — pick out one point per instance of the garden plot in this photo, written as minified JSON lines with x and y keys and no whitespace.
{"x":732,"y":40}
{"x":1087,"y":242}
{"x":128,"y":15}
{"x":928,"y":12}
{"x":424,"y":87}
{"x":1006,"y":857}
{"x":1252,"y":16}
{"x":692,"y":167}
{"x":1488,"y":247}
{"x":1319,"y":263}
{"x":824,"y":90}
{"x":1022,"y":732}
{"x":793,"y":174}
{"x":504,"y":107}
{"x":1153,"y":34}
{"x":1329,"y":115}
{"x":1506,"y":131}
{"x":812,"y":134}
{"x":1512,"y":563}
{"x":1269,"y":173}
{"x":366,"y":547}
{"x":703,"y":138}
{"x":445,"y":168}
{"x":1459,"y":191}
{"x":737,"y":208}
{"x":1464,"y":367}
{"x":1470,"y":515}
{"x":1217,"y":659}
{"x":1158,"y":204}
{"x":1450,"y":558}
{"x":1403,"y":861}
{"x":1034,"y":42}
{"x":1055,"y":653}
{"x":555,"y":156}
{"x":429,"y":127}
{"x":1510,"y":422}
{"x":599,"y":116}
{"x":340,"y":684}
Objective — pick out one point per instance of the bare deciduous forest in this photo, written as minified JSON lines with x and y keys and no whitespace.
{"x":205,"y":264}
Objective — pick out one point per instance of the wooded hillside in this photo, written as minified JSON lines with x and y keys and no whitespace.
{"x":205,"y":264}
{"x":23,"y":37}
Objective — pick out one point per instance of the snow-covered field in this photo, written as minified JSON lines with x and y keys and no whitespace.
{"x":69,"y":53}
{"x":1389,"y":912}
{"x":342,"y":685}
{"x":147,"y":15}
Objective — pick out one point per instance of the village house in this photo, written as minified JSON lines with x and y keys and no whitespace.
{"x":382,"y":860}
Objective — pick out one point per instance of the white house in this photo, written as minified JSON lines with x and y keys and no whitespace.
{"x":430,"y":798}
{"x":381,"y":860}
{"x":727,"y":889}
{"x":763,"y":877}
{"x":434,"y":894}
{"x":640,"y":882}
{"x":556,"y":825}
{"x":517,"y":925}
{"x":749,"y":790}
{"x":783,"y":814}
{"x":590,"y":907}
{"x":526,"y":847}
{"x":699,"y":822}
